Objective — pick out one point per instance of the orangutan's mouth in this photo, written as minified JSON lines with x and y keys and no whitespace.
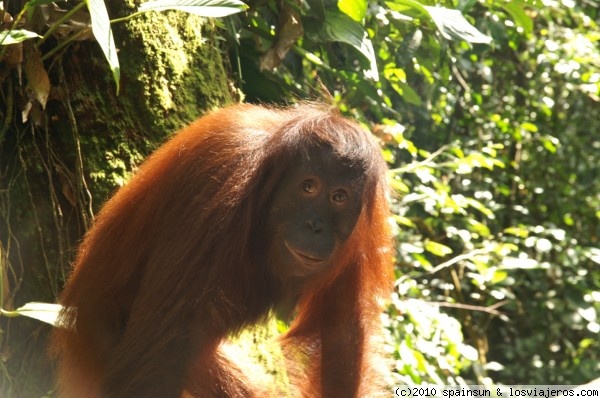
{"x":304,"y":257}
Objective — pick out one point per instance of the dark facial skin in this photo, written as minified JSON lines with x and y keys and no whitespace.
{"x":314,"y":211}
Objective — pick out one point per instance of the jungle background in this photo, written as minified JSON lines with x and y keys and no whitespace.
{"x":488,"y":113}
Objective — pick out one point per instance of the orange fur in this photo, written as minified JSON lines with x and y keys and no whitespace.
{"x":175,"y":263}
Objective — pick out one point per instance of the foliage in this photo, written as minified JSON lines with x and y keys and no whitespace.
{"x":95,"y":18}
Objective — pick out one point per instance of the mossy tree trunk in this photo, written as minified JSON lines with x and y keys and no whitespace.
{"x":59,"y":166}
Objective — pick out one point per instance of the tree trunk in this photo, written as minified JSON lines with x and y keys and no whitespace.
{"x":58,"y":167}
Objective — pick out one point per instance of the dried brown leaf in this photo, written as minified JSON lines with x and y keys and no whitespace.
{"x":38,"y":83}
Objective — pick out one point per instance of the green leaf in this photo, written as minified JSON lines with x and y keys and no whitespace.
{"x":355,"y":9}
{"x":481,"y":207}
{"x":405,"y":221}
{"x":8,"y":37}
{"x":399,"y":186}
{"x":437,"y":248}
{"x":550,"y":143}
{"x":404,"y":5}
{"x":479,"y":228}
{"x":44,"y":312}
{"x":517,"y":231}
{"x":203,"y":8}
{"x":529,"y":127}
{"x":104,"y":35}
{"x":498,"y":276}
{"x":409,"y":94}
{"x":453,"y":25}
{"x":317,"y":9}
{"x":518,"y":15}
{"x":397,"y":79}
{"x":341,"y":28}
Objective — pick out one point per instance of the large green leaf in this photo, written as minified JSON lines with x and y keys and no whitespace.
{"x":203,"y":8}
{"x":355,"y":9}
{"x":104,"y":35}
{"x":453,"y":25}
{"x":341,"y":28}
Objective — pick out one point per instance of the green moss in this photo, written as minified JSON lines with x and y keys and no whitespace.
{"x":171,"y":59}
{"x":172,"y":71}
